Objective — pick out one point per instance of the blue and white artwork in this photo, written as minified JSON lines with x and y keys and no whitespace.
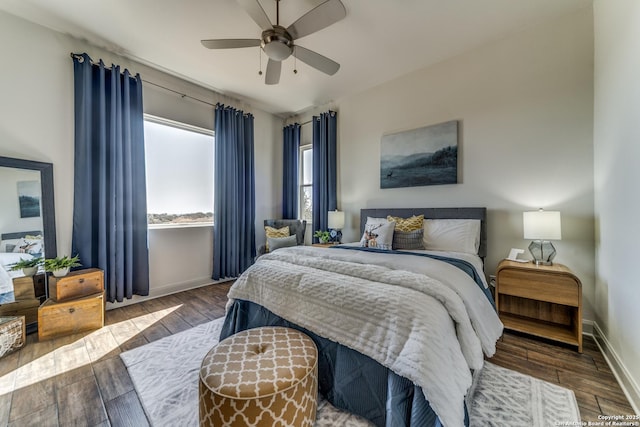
{"x":29,"y":199}
{"x":423,"y":156}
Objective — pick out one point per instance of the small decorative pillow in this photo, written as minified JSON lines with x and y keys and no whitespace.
{"x":9,"y":245}
{"x":378,"y":235}
{"x":407,"y":224}
{"x":408,"y":239}
{"x":275,"y":232}
{"x":281,"y":242}
{"x":28,"y":246}
{"x":457,"y":235}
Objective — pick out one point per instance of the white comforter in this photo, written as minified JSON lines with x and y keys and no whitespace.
{"x":430,"y":329}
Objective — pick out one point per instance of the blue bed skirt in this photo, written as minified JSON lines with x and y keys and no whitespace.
{"x":347,"y":379}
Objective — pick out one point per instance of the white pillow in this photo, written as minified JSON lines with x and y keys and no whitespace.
{"x":29,"y":246}
{"x":372,"y":220}
{"x":9,"y":245}
{"x":456,"y":235}
{"x":378,"y":233}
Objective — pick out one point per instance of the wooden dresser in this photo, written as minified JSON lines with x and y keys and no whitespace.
{"x":545,"y":301}
{"x":75,"y":304}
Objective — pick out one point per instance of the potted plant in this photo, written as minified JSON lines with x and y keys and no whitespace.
{"x":323,"y":236}
{"x":60,"y":266}
{"x":29,"y":267}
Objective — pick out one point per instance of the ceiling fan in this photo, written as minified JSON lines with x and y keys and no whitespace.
{"x":278,"y":42}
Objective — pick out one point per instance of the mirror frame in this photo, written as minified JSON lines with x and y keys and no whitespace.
{"x":46,"y":198}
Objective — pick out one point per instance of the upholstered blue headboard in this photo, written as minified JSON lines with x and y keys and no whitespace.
{"x":20,"y":234}
{"x":434,"y":213}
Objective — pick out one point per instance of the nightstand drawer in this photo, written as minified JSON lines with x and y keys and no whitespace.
{"x":559,"y":289}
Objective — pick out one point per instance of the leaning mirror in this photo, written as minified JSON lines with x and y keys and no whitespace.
{"x":27,"y":218}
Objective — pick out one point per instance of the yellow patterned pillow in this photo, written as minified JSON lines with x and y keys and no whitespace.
{"x":407,"y":224}
{"x":275,"y":232}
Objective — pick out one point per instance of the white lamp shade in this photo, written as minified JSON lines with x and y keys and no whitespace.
{"x":336,"y":220}
{"x":542,"y":225}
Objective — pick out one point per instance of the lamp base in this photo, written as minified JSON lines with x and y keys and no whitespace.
{"x":543,"y":252}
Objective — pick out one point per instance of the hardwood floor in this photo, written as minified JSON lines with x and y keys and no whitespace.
{"x":80,"y":380}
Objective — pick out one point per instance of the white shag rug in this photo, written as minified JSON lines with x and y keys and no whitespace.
{"x":165,"y":376}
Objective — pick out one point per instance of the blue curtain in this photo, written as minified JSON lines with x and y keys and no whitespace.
{"x":110,"y":199}
{"x":234,"y":235}
{"x":291,"y":149}
{"x":324,"y":194}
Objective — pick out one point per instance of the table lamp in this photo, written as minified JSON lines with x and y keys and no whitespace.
{"x":542,"y":226}
{"x":336,"y":223}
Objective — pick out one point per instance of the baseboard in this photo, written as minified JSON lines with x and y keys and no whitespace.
{"x":171,"y":288}
{"x":627,"y":383}
{"x":587,"y":327}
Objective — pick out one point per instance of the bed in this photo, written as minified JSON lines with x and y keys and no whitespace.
{"x":402,"y":334}
{"x":13,"y":248}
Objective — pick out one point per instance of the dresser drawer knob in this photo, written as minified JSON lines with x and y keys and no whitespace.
{"x":71,"y":310}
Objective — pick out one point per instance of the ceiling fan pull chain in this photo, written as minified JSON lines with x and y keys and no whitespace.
{"x":260,"y":56}
{"x":295,"y":62}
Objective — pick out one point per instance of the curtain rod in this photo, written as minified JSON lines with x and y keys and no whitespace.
{"x":182,"y":95}
{"x":309,"y":121}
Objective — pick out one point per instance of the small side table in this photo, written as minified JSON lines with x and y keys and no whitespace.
{"x":545,"y":301}
{"x":323,"y":245}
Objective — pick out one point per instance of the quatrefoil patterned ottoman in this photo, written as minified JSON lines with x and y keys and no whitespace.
{"x":265,"y":376}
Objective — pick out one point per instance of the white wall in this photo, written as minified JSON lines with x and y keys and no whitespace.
{"x":36,"y":123}
{"x":10,"y":221}
{"x":525,"y":109}
{"x":617,"y":199}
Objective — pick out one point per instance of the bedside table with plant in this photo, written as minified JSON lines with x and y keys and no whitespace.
{"x":541,"y":300}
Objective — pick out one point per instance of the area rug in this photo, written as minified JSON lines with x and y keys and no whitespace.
{"x":165,"y":376}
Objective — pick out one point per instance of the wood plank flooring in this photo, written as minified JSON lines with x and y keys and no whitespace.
{"x":80,"y":380}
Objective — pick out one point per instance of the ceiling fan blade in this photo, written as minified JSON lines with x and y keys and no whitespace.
{"x":323,"y":15}
{"x":272,"y":76}
{"x":256,"y":12}
{"x":317,"y":61}
{"x":229,"y":43}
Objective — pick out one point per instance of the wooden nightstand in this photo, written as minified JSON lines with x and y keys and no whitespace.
{"x":323,"y":245}
{"x":545,"y":301}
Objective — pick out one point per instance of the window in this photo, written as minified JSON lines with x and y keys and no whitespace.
{"x":179,"y":168}
{"x":306,"y":183}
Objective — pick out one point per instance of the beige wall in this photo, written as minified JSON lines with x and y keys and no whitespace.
{"x":525,"y":106}
{"x":36,"y":123}
{"x":617,"y":199}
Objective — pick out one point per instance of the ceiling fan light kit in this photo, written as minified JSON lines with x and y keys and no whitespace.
{"x":277,"y":42}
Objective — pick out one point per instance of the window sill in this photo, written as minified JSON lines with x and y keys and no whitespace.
{"x":174,"y":226}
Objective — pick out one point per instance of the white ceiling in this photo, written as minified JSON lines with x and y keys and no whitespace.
{"x":377,"y":41}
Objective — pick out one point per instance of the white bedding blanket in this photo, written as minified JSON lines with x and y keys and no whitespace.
{"x":427,"y":329}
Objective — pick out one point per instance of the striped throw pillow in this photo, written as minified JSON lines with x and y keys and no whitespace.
{"x":408,"y":239}
{"x":407,"y":224}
